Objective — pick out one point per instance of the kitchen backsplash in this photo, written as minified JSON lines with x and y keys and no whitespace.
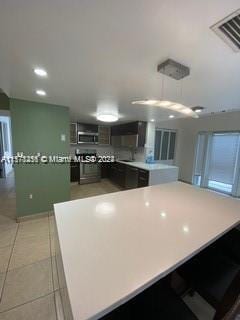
{"x":101,"y":150}
{"x":119,"y":153}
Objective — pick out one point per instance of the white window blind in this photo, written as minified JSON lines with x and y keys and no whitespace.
{"x":164,"y":144}
{"x":224,"y":151}
{"x":200,"y":154}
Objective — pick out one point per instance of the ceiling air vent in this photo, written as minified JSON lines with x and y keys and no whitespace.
{"x":228,"y":30}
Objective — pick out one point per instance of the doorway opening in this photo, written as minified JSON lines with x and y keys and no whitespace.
{"x":7,"y":179}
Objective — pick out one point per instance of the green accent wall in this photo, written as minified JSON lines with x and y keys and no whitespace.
{"x":37,"y":127}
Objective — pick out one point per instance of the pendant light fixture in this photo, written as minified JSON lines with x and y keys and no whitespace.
{"x":176,"y":71}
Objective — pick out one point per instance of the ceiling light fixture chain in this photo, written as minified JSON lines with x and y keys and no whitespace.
{"x":181,"y":91}
{"x":163,"y":87}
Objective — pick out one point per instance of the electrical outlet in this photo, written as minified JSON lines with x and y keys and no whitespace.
{"x":30,"y":196}
{"x":63,"y":137}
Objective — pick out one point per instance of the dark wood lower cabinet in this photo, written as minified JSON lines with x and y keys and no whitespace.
{"x":118,"y":174}
{"x":143,"y":176}
{"x":74,"y":172}
{"x":105,"y":170}
{"x":127,"y":177}
{"x":131,"y":177}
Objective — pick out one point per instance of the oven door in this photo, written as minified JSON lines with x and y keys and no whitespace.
{"x":89,"y":172}
{"x":87,"y":138}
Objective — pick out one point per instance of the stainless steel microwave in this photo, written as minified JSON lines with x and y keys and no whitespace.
{"x":87,"y":137}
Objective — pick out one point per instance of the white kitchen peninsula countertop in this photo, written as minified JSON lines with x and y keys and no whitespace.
{"x":116,"y":245}
{"x":147,"y":166}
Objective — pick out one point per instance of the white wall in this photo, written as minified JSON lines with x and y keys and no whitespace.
{"x":187,"y":131}
{"x":7,"y":121}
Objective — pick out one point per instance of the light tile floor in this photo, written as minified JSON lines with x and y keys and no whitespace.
{"x":27,"y":271}
{"x":92,"y":189}
{"x":28,"y":277}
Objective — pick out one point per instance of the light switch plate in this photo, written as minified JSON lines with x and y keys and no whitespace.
{"x":63,"y":137}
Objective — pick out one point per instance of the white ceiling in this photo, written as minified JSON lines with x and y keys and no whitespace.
{"x":105,"y":52}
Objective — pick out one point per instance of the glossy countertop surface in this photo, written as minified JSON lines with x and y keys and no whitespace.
{"x":115,"y":245}
{"x":148,"y":166}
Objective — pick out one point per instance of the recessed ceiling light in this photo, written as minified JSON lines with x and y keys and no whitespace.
{"x":171,"y":116}
{"x":41,"y":92}
{"x":152,"y":120}
{"x":40,"y":72}
{"x":185,"y":229}
{"x":107,"y":117}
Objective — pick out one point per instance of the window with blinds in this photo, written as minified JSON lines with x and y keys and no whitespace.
{"x":223,"y":160}
{"x":217,"y":162}
{"x":164,"y":144}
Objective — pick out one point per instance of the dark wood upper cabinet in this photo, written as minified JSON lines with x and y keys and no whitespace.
{"x":87,"y":128}
{"x":103,"y":135}
{"x":132,"y":128}
{"x":73,"y":133}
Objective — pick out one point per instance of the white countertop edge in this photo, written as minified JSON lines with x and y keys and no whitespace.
{"x":148,"y":166}
{"x":147,"y":284}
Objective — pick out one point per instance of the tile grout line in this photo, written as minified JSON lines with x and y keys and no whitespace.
{"x":30,"y":264}
{"x":52,"y":292}
{"x":50,"y":244}
{"x":4,"y":281}
{"x":25,"y":265}
{"x":58,"y":289}
{"x":50,"y":248}
{"x":30,"y":301}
